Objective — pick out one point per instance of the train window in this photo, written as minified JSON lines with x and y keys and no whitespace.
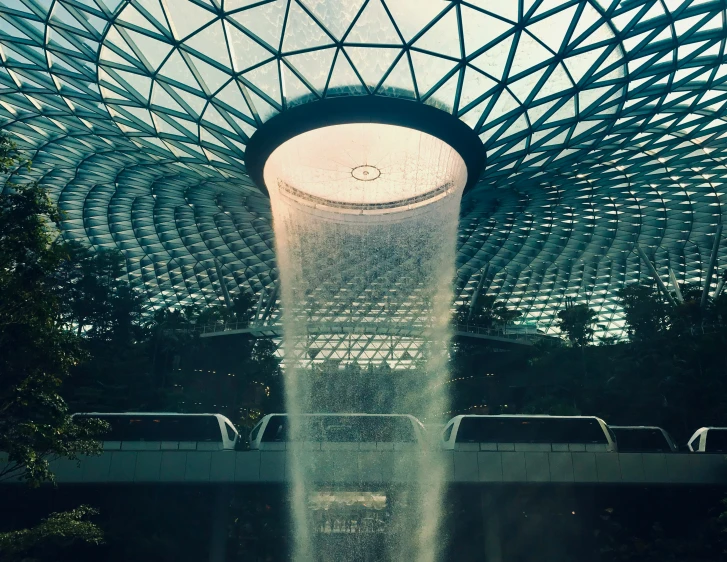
{"x":189,"y":428}
{"x":255,"y":431}
{"x":530,"y":430}
{"x":641,"y":440}
{"x":716,"y":441}
{"x":342,"y":429}
{"x":161,"y":428}
{"x":276,"y":430}
{"x":447,"y":433}
{"x":231,"y":435}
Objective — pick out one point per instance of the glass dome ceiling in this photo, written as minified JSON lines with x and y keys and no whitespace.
{"x":603,"y":121}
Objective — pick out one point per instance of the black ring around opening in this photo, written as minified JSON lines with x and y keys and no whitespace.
{"x":364,"y":109}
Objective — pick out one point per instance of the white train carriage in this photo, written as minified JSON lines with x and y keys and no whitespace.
{"x":643,"y":439}
{"x":145,"y":431}
{"x":380,"y":430}
{"x":709,"y":440}
{"x":528,"y":433}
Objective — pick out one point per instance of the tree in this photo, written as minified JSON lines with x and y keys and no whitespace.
{"x":58,"y":532}
{"x":36,"y":352}
{"x":646,"y":312}
{"x":487,"y":312}
{"x":576,"y":321}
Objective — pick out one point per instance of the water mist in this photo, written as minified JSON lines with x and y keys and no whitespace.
{"x":365,"y":219}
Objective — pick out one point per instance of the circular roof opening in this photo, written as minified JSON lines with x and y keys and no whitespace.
{"x":365,"y":166}
{"x":371,"y":146}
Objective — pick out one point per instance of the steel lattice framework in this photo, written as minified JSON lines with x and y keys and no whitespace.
{"x":603,"y":122}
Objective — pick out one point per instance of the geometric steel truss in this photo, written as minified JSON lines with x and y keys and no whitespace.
{"x":603,"y":120}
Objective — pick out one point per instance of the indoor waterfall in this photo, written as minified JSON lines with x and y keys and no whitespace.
{"x":365,"y":220}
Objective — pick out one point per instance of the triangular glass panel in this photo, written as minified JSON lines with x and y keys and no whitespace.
{"x":152,"y":50}
{"x":302,"y":31}
{"x":211,"y":115}
{"x":529,"y":53}
{"x":196,"y":103}
{"x":343,"y":78}
{"x":411,"y":16}
{"x":264,"y":21}
{"x":578,"y":65}
{"x":443,"y":97}
{"x":229,"y":5}
{"x":212,"y":77}
{"x":315,"y":66}
{"x":429,"y":69}
{"x":232,"y":96}
{"x":141,"y":84}
{"x":523,"y":88}
{"x":494,"y":60}
{"x":160,"y":97}
{"x":211,"y":43}
{"x":372,"y":62}
{"x":245,"y":51}
{"x":334,"y":15}
{"x":557,"y":82}
{"x":176,"y":69}
{"x":586,"y":98}
{"x":551,"y":30}
{"x":132,"y":16}
{"x":399,"y":82}
{"x":474,"y":85}
{"x":266,"y":78}
{"x":589,"y":17}
{"x":480,"y":29}
{"x":373,"y":26}
{"x":295,"y":91}
{"x":155,"y":10}
{"x":505,"y":104}
{"x":186,"y":17}
{"x":537,"y":111}
{"x":507,"y":10}
{"x":442,"y":37}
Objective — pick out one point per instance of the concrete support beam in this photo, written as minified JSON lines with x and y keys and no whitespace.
{"x":710,"y":267}
{"x":720,"y":285}
{"x":220,"y":278}
{"x":675,"y":286}
{"x":476,"y":294}
{"x":269,"y":307}
{"x":259,"y":306}
{"x":654,"y":274}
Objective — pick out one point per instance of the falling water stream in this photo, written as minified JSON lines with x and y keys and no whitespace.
{"x":351,"y":255}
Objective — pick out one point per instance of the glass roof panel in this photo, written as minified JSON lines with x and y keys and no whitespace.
{"x":77,"y":87}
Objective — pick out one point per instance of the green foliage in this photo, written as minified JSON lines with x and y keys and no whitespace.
{"x":9,"y":155}
{"x":36,"y":351}
{"x":56,"y":533}
{"x":647,"y":313}
{"x":619,"y":538}
{"x":487,"y":312}
{"x":576,"y":322}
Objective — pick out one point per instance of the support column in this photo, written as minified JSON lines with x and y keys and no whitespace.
{"x":654,"y":274}
{"x":257,"y":318}
{"x":271,"y":303}
{"x":220,"y":278}
{"x":492,"y":526}
{"x":710,"y":268}
{"x":220,"y":516}
{"x":476,"y":294}
{"x":675,"y":286}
